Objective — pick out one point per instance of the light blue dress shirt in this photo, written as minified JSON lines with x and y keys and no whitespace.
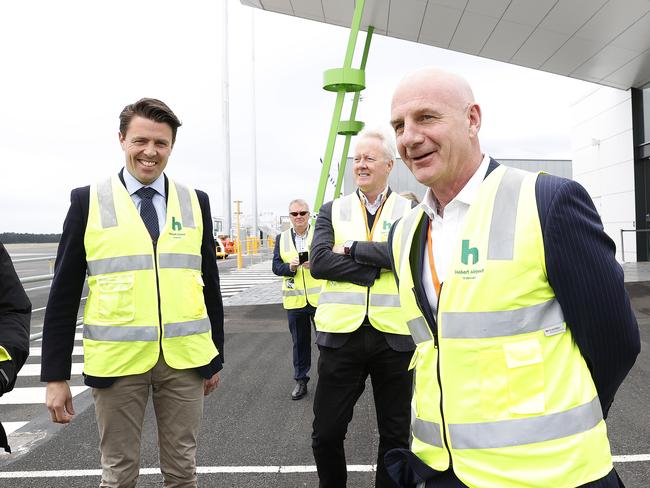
{"x":159,"y":202}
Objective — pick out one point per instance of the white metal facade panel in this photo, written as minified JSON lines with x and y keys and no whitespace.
{"x":606,"y":41}
{"x":439,"y":25}
{"x":280,"y":6}
{"x":406,"y":18}
{"x":312,"y":9}
{"x":376,"y":14}
{"x":505,"y":40}
{"x":472,"y":32}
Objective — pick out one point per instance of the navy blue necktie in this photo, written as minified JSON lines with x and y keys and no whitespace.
{"x":148,"y":211}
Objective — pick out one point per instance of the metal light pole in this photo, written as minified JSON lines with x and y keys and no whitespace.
{"x":254,"y":128}
{"x":225,"y":111}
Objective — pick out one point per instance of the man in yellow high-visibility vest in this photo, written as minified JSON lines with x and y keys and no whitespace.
{"x":153,"y":320}
{"x":361,"y":331}
{"x":512,"y":293}
{"x":299,"y":290}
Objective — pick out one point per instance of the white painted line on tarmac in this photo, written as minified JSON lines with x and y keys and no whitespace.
{"x":76,"y":473}
{"x":35,"y":369}
{"x":632,"y":458}
{"x":79,"y":473}
{"x":76,"y":351}
{"x":33,"y":395}
{"x":12,"y":426}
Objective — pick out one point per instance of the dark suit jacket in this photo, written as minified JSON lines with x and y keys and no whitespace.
{"x":68,"y":282}
{"x":15,"y":314}
{"x":327,"y":265}
{"x":588,"y":284}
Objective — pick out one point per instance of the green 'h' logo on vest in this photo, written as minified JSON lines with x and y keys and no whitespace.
{"x":176,"y":225}
{"x":467,"y":252}
{"x":387,"y":225}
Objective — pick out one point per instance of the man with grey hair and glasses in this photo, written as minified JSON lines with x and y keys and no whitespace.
{"x":299,"y":289}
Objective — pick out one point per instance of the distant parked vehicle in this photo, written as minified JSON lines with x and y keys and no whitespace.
{"x":221,"y":248}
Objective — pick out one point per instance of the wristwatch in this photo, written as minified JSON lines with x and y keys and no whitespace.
{"x":347,"y":247}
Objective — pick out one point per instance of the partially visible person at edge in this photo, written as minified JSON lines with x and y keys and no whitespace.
{"x":361,"y":329}
{"x":520,"y":353}
{"x":153,"y":320}
{"x":15,"y":314}
{"x":299,"y":290}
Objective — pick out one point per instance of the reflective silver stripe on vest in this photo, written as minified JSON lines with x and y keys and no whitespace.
{"x":287,"y":241}
{"x":314,"y":290}
{"x":106,"y":204}
{"x":182,"y":329}
{"x":120,"y":333}
{"x":482,"y":325}
{"x":185,"y":202}
{"x":345,"y":209}
{"x":504,"y":216}
{"x":428,"y":432}
{"x":177,"y":260}
{"x":407,"y":229}
{"x":342,"y":298}
{"x":384,"y":300}
{"x":120,"y":263}
{"x":419,"y":330}
{"x":518,"y":432}
{"x":292,"y":293}
{"x":399,"y":207}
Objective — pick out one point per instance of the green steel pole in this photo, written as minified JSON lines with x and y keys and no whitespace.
{"x":353,"y":114}
{"x":338,"y":107}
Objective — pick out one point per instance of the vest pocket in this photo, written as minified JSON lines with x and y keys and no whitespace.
{"x":193,"y":294}
{"x":525,"y":370}
{"x":116,"y":302}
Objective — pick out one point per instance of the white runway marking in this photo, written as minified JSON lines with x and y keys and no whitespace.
{"x":632,"y":458}
{"x":12,"y":426}
{"x":36,"y":351}
{"x":32,"y":395}
{"x":35,"y":369}
{"x":359,"y":468}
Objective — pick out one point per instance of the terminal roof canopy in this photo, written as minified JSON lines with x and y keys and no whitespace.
{"x":602,"y":41}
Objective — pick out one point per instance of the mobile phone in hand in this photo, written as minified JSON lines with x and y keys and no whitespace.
{"x":303,"y":257}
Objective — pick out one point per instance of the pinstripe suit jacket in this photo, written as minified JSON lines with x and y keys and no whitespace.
{"x":587,"y":281}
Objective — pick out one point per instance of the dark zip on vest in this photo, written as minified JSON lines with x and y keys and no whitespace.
{"x":434,"y":332}
{"x":155,"y":267}
{"x":442,"y":412}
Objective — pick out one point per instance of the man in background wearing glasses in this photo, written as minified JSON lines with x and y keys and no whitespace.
{"x":361,"y":329}
{"x":299,"y":290}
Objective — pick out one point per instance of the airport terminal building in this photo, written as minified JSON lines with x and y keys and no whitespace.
{"x":605,"y":42}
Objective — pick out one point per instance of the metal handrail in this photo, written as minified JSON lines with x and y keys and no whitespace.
{"x":34,"y":279}
{"x":623,"y":244}
{"x":39,"y":335}
{"x":33,"y":260}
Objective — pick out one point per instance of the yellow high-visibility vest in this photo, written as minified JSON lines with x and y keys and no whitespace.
{"x":502,"y":390}
{"x":132,"y":288}
{"x":301,"y":289}
{"x":342,"y":305}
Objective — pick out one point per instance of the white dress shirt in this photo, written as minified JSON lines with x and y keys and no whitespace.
{"x":301,"y":240}
{"x":445,"y":230}
{"x":372,"y":207}
{"x":159,"y":203}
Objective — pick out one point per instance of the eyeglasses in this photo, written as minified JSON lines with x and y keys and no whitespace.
{"x":295,"y":214}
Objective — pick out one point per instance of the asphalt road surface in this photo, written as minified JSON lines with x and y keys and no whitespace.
{"x":254,"y":435}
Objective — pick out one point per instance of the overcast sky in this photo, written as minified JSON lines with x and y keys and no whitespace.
{"x":69,"y":67}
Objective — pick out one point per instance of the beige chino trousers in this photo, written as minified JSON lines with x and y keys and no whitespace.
{"x":119,"y":409}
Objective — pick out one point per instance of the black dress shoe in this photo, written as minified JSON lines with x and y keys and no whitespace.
{"x":300,"y":390}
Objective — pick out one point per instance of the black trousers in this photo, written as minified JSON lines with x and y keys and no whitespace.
{"x":300,"y":324}
{"x":342,"y":377}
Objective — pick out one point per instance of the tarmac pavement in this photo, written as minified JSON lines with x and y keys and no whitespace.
{"x":254,"y":435}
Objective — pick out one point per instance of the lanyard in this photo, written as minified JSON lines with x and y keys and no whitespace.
{"x":432,"y":265}
{"x":370,"y":232}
